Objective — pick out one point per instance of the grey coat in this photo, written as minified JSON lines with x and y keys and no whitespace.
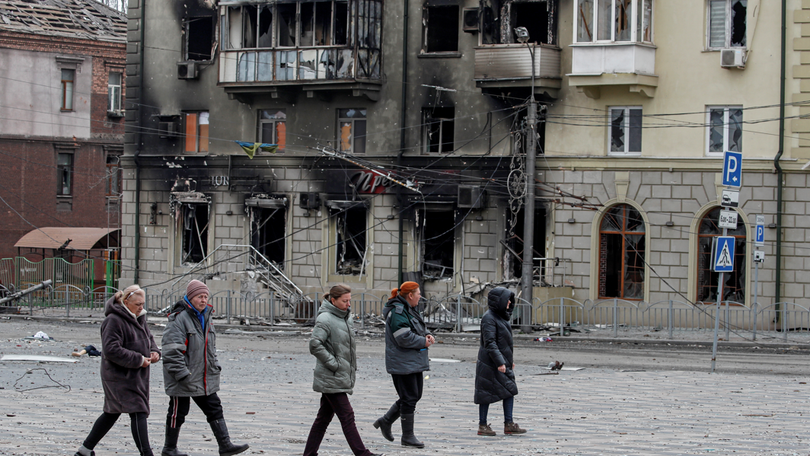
{"x":125,"y":341}
{"x":190,"y":365}
{"x":405,"y":336}
{"x":496,"y":350}
{"x":332,"y":343}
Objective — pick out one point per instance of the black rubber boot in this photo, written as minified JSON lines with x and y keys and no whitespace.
{"x":384,"y":422}
{"x":408,"y":439}
{"x":170,"y":444}
{"x":226,"y":448}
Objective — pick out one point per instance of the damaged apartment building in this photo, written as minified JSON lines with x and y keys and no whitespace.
{"x":361,"y":187}
{"x":301,"y":143}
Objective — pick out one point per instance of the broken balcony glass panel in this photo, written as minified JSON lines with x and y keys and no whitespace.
{"x":285,"y":65}
{"x":249,"y":17}
{"x":247,"y":67}
{"x":584,"y":21}
{"x":286,"y":24}
{"x":603,"y":20}
{"x":264,"y":66}
{"x":308,"y":64}
{"x":266,"y":26}
{"x":623,"y":28}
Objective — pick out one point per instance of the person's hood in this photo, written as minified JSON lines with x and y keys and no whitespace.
{"x":498,"y":299}
{"x":328,"y":307}
{"x":397,"y":300}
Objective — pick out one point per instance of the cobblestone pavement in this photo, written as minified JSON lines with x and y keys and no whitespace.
{"x":269,"y":403}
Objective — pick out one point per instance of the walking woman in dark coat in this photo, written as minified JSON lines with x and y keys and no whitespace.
{"x":494,"y":372}
{"x":406,"y":358}
{"x":127,"y":350}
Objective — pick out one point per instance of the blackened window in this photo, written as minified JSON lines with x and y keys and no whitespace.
{"x":195,"y":232}
{"x":437,"y":127}
{"x":199,"y":38}
{"x":437,"y":232}
{"x":350,"y":240}
{"x":440,"y":29}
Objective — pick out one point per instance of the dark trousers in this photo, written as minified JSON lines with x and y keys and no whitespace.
{"x":508,"y":406}
{"x":409,"y":389}
{"x":331,"y":405}
{"x":210,"y":405}
{"x":106,"y":421}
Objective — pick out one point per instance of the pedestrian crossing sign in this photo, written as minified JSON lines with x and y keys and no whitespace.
{"x":723,"y":254}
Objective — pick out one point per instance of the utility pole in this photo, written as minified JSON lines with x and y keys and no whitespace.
{"x":527,"y":274}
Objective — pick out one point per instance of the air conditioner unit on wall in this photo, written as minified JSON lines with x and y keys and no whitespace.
{"x":732,"y":58}
{"x":309,"y":200}
{"x":188,"y":70}
{"x":470,"y":16}
{"x":471,"y":197}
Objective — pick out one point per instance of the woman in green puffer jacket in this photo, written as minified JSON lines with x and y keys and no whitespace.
{"x":332,"y":343}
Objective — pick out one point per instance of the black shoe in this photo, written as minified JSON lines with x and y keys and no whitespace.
{"x":170,"y":444}
{"x":408,"y":439}
{"x":226,"y":448}
{"x":384,"y":422}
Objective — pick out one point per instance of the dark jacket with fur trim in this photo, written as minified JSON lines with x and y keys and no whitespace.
{"x":190,"y":365}
{"x":405,"y":337}
{"x":125,"y":341}
{"x":495,"y":350}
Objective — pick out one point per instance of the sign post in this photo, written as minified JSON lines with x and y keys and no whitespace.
{"x":759,"y":257}
{"x":723,"y":251}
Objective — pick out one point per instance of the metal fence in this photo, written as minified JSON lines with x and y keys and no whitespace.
{"x":458,"y":312}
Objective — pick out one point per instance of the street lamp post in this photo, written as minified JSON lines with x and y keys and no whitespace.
{"x":527,"y":275}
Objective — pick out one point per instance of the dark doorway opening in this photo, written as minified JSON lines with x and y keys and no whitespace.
{"x":268,"y":231}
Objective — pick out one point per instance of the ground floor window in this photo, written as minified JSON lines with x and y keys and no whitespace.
{"x":513,"y":264}
{"x":436,"y":232}
{"x":350,"y":228}
{"x":621,"y":253}
{"x":708,"y":280}
{"x":267,"y":233}
{"x":195,"y":222}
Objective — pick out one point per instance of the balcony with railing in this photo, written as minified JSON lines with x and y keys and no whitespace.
{"x":302,"y":46}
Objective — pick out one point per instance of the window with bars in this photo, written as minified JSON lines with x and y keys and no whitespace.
{"x":708,"y":280}
{"x":723,"y":129}
{"x":613,"y":20}
{"x":726,"y":26}
{"x":622,"y":249}
{"x":625,"y":130}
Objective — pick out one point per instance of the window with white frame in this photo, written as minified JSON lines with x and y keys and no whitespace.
{"x":273,"y":127}
{"x":726,"y":23}
{"x":624,"y":130}
{"x":352,"y":130}
{"x":723,"y":129}
{"x":114,"y":92}
{"x":613,"y":20}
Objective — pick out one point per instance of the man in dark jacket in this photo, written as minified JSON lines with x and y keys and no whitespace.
{"x":406,"y":358}
{"x":191,"y":369}
{"x":494,"y":371}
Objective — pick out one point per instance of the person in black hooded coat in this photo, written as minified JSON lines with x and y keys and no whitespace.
{"x":494,"y":372}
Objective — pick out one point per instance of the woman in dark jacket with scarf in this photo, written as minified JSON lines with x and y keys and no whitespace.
{"x":332,"y":344}
{"x":127,"y":350}
{"x":494,"y":372}
{"x":406,"y":357}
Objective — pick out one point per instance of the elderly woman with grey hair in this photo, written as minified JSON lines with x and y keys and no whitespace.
{"x":127,"y":351}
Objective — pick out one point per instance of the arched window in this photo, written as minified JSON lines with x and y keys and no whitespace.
{"x":734,"y":288}
{"x":621,"y":253}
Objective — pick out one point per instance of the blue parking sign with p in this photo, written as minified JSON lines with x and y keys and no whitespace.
{"x":723,"y":254}
{"x":732,"y":169}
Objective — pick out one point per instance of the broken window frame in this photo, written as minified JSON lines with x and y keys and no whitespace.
{"x":192,"y":235}
{"x":625,"y":125}
{"x":273,"y":128}
{"x":64,"y":173}
{"x":622,"y":223}
{"x":431,"y":270}
{"x":356,"y":120}
{"x":68,"y":80}
{"x":194,"y":43}
{"x":258,"y":232}
{"x":429,"y":32}
{"x":601,"y":21}
{"x":196,"y":132}
{"x":707,"y":280}
{"x":113,"y":186}
{"x":437,"y":128}
{"x":354,"y":243}
{"x":721,"y":26}
{"x":724,"y":129}
{"x":114,"y":93}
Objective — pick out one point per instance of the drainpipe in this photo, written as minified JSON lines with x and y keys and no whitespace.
{"x":779,"y":173}
{"x":138,"y":143}
{"x":402,"y":120}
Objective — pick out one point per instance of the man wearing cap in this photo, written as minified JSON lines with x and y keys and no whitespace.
{"x":191,"y":369}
